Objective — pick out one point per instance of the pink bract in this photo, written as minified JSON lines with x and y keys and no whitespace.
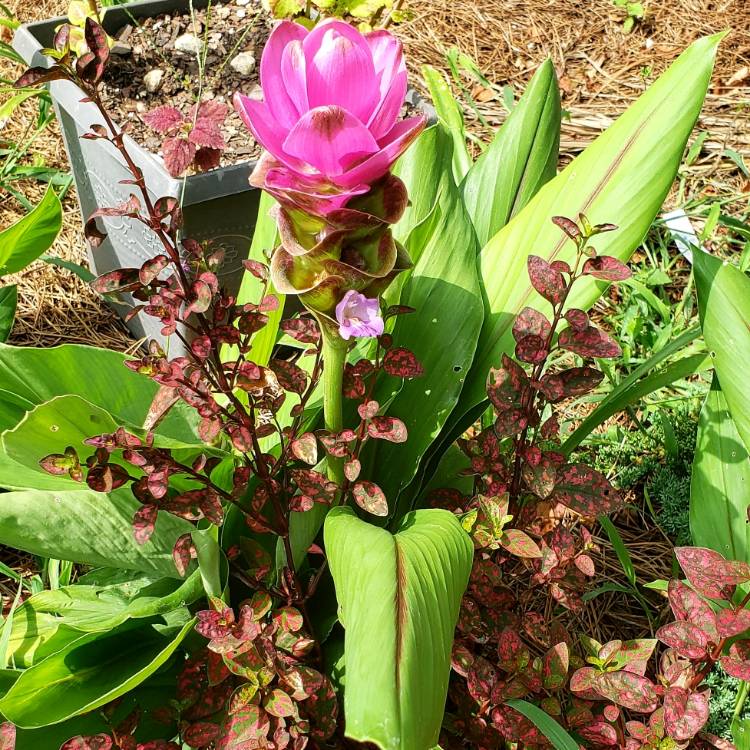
{"x":329,"y":119}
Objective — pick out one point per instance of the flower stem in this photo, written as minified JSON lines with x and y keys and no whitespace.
{"x":334,"y":359}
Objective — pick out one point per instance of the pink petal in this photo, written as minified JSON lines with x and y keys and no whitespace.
{"x":330,"y":139}
{"x":387,"y":56}
{"x":341,"y":73}
{"x":314,"y":39}
{"x":393,"y":145}
{"x":293,"y":73}
{"x":386,"y":114}
{"x":274,"y":89}
{"x":257,"y":116}
{"x":307,"y":194}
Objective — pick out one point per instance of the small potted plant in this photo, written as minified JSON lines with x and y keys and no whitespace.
{"x":173,"y":68}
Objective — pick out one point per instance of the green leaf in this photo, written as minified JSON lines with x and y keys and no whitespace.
{"x":8,"y":303}
{"x":89,"y":528}
{"x":399,"y":597}
{"x":87,"y":674}
{"x":32,"y":376}
{"x":521,"y":158}
{"x":51,"y":620}
{"x":443,"y":288}
{"x":720,"y":482}
{"x":623,"y":177}
{"x":49,"y":428}
{"x":545,"y":724}
{"x":450,"y":117}
{"x":724,"y":300}
{"x":32,"y":235}
{"x":83,"y":273}
{"x":626,"y":562}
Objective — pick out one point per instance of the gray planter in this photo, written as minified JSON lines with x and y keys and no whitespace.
{"x":219,"y":205}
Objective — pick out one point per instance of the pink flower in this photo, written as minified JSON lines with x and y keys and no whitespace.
{"x":358,"y":316}
{"x":329,"y":119}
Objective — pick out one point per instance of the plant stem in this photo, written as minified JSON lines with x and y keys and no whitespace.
{"x":334,"y":359}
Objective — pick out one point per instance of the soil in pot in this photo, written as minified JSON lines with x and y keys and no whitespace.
{"x":155,"y":62}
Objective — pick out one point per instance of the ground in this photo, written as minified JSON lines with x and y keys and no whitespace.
{"x":601,"y":70}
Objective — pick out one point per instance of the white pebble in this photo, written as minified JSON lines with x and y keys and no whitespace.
{"x":153,"y":80}
{"x":188,"y":43}
{"x":244,"y":63}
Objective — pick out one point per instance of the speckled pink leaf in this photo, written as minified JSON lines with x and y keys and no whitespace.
{"x":629,"y":690}
{"x":239,"y":730}
{"x":183,"y":552}
{"x":585,"y":490}
{"x":402,"y":363}
{"x":531,"y":349}
{"x":687,"y":605}
{"x":599,"y":733}
{"x":685,"y":712}
{"x":387,"y":428}
{"x":590,"y":342}
{"x":530,"y":322}
{"x":143,"y":523}
{"x":305,"y":448}
{"x":519,"y":543}
{"x":291,"y":377}
{"x":201,"y":733}
{"x":278,"y":703}
{"x":733,"y":622}
{"x":737,"y":662}
{"x":568,"y":226}
{"x":545,"y":279}
{"x":7,"y":736}
{"x":512,"y":652}
{"x":607,"y":268}
{"x":370,"y":497}
{"x":555,"y":667}
{"x":709,"y":572}
{"x":687,"y":639}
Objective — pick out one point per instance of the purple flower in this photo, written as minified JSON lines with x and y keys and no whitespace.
{"x":358,"y":316}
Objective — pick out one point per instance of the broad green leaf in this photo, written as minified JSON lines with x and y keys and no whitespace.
{"x":444,"y":289}
{"x":724,"y":299}
{"x":399,"y":597}
{"x":32,"y":376}
{"x":422,"y":169}
{"x":545,"y":724}
{"x":32,"y":235}
{"x":720,"y":481}
{"x":8,"y":303}
{"x":643,"y":380}
{"x":8,"y":107}
{"x":51,"y":620}
{"x":623,"y":177}
{"x":521,"y":158}
{"x":450,"y":117}
{"x":90,"y":528}
{"x":88,"y":674}
{"x":209,"y":559}
{"x":49,"y":428}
